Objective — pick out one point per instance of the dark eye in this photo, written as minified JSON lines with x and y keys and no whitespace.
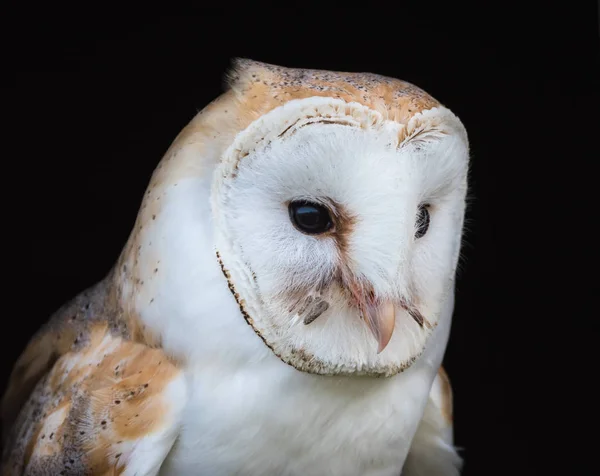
{"x":422,"y":221}
{"x":310,"y":218}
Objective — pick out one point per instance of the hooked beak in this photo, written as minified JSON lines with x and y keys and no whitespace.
{"x":380,"y":315}
{"x":381,"y":320}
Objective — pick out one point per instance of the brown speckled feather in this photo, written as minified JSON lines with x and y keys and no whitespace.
{"x":85,"y":392}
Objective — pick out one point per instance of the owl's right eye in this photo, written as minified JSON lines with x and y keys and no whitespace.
{"x":310,"y":218}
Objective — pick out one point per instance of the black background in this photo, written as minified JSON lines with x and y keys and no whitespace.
{"x":93,"y":99}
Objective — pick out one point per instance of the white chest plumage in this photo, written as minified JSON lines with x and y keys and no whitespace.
{"x":270,"y":419}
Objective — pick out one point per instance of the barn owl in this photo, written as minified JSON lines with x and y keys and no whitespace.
{"x":282,"y":305}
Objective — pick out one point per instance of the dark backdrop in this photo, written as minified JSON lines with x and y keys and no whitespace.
{"x":93,"y":99}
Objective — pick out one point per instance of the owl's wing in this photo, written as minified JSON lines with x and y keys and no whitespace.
{"x":432,"y":452}
{"x":99,"y":405}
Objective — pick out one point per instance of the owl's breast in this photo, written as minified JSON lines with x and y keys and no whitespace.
{"x":268,"y":418}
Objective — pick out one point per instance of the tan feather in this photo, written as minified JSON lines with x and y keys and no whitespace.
{"x":82,"y":390}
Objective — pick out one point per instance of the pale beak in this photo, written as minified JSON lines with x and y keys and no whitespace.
{"x":381,"y":320}
{"x":379,"y":315}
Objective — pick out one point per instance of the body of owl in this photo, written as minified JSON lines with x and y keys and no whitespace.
{"x":282,"y":306}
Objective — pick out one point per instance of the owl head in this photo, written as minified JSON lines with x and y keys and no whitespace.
{"x":329,"y":205}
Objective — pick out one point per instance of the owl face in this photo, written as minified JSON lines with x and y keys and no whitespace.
{"x":339,"y":231}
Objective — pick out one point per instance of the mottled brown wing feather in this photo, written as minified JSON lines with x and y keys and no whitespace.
{"x":83,"y":396}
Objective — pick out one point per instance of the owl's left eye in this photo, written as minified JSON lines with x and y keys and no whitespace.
{"x":423,"y":220}
{"x":310,"y":218}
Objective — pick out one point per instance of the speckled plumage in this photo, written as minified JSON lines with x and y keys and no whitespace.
{"x":86,"y":388}
{"x":142,"y":373}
